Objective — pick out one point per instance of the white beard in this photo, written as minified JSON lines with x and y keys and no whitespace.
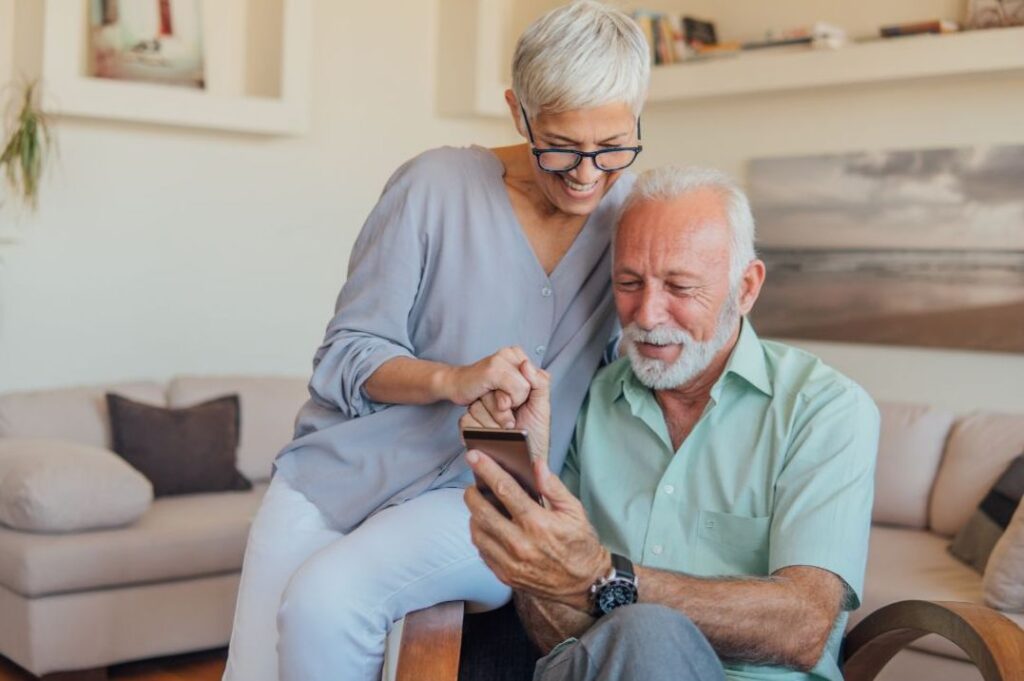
{"x":694,"y":358}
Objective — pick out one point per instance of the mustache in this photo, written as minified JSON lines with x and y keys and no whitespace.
{"x":662,"y":334}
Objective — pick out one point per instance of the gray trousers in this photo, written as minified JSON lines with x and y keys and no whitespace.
{"x":643,"y":641}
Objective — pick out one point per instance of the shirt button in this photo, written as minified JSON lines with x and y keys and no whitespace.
{"x":669,"y":489}
{"x":540,"y":349}
{"x":656,"y":549}
{"x":546,"y":291}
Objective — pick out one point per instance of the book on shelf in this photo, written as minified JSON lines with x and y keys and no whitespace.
{"x":919,"y":27}
{"x":664,"y":35}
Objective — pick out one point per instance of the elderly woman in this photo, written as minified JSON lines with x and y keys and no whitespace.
{"x":476,"y":267}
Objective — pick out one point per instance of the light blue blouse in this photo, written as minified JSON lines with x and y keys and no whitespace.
{"x":442,"y":271}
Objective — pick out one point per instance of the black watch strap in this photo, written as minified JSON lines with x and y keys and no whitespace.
{"x":623,"y":567}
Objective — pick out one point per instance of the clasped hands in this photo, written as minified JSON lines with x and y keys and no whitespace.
{"x":549,"y":551}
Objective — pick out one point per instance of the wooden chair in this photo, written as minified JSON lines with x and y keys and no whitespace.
{"x":431,"y":642}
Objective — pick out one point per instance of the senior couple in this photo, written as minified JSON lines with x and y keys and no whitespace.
{"x":712,"y":513}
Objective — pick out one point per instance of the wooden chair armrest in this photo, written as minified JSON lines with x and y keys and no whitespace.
{"x":431,"y":644}
{"x":992,"y":642}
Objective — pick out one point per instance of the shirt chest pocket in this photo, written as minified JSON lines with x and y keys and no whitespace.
{"x":729,"y":544}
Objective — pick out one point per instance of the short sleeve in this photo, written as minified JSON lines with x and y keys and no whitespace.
{"x":823,"y":496}
{"x":370,"y":324}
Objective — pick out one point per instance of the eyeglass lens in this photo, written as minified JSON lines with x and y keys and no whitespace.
{"x":613,"y":159}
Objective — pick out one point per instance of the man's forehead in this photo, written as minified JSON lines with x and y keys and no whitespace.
{"x":696,"y":220}
{"x":696,"y":209}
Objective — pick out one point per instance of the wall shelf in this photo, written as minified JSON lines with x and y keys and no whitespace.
{"x":894,"y":59}
{"x":473,"y":62}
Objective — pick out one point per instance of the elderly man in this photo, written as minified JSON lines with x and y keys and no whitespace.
{"x":712,"y":517}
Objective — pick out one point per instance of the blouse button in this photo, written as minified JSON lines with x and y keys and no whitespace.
{"x":546,"y":291}
{"x":540,"y":349}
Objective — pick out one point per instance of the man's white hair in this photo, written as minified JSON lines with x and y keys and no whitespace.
{"x":670,"y":182}
{"x":578,"y":56}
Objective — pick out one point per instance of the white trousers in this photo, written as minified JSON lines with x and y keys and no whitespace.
{"x":317,"y":605}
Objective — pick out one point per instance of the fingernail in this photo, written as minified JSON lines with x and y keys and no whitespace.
{"x":472,"y":456}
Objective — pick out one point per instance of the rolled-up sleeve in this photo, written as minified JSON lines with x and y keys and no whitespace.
{"x":823,"y":497}
{"x":371,"y":321}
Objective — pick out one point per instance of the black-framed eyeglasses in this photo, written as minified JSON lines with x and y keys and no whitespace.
{"x":564,"y":160}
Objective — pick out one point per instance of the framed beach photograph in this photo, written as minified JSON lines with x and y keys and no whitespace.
{"x":153,"y":41}
{"x":920,"y":247}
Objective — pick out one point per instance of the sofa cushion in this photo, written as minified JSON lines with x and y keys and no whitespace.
{"x":177,"y":538}
{"x":980,"y":448}
{"x":906,"y":564}
{"x":181,"y":451}
{"x":909,"y":451}
{"x":1004,"y":575}
{"x":974,"y":542}
{"x":60,"y":486}
{"x":75,"y":414}
{"x":269,"y":406}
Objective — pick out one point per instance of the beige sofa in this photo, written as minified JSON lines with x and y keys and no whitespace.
{"x":163,"y":585}
{"x":933,"y":471}
{"x":167,"y":583}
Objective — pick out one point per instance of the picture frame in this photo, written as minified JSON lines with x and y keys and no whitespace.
{"x":227,"y":102}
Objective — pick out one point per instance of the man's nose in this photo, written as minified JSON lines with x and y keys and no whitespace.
{"x":652,"y":311}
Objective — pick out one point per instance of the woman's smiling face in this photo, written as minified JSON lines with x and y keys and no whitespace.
{"x":579,"y":191}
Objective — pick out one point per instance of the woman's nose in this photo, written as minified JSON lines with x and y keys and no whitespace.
{"x":586,"y":172}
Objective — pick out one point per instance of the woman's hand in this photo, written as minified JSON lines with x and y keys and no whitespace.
{"x":499,"y":372}
{"x":494,"y":410}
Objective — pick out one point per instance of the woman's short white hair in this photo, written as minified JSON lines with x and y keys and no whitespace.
{"x":578,"y":56}
{"x":670,"y":182}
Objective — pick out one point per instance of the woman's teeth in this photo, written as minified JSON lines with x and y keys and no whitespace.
{"x":577,"y":187}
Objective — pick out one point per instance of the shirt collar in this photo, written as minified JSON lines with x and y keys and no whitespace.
{"x":746,"y":361}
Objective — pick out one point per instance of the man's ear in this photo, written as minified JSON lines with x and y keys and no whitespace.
{"x":516,"y":111}
{"x":750,"y":285}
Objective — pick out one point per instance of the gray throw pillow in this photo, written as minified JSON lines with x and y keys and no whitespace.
{"x":974,"y":542}
{"x":49,"y":485}
{"x":181,"y":451}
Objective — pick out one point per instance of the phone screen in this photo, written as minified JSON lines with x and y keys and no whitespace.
{"x":510,"y":450}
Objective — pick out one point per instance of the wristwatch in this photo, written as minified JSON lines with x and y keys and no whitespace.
{"x":617,"y":588}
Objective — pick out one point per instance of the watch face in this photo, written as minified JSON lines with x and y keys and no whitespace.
{"x":616,"y":593}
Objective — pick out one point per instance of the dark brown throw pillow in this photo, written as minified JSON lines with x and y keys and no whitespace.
{"x":974,"y":542}
{"x":181,"y":451}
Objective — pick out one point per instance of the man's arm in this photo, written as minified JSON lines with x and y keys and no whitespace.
{"x":548,"y":623}
{"x":553,"y":555}
{"x":784,"y":619}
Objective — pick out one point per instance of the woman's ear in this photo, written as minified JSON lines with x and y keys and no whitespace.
{"x":516,"y":111}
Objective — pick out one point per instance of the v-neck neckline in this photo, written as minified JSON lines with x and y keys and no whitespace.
{"x":524,"y":240}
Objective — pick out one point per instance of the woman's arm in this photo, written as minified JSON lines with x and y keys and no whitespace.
{"x":407,"y":380}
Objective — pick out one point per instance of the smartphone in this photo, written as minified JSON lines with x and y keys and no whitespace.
{"x":510,"y":450}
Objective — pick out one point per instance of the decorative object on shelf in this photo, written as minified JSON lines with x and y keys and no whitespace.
{"x":157,"y":41}
{"x":697,"y":32}
{"x":995,"y":13}
{"x":27,"y":145}
{"x":920,"y":248}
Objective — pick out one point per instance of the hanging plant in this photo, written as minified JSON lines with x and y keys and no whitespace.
{"x":25,"y":151}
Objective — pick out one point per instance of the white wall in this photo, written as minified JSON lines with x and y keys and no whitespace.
{"x":158,"y":251}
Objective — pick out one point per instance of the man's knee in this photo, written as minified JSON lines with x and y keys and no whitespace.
{"x":651,"y":622}
{"x":648,"y":634}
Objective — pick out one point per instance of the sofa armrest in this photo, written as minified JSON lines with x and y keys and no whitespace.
{"x":431,"y":644}
{"x":992,"y":642}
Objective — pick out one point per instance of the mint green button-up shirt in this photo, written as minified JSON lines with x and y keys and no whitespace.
{"x":778,"y":471}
